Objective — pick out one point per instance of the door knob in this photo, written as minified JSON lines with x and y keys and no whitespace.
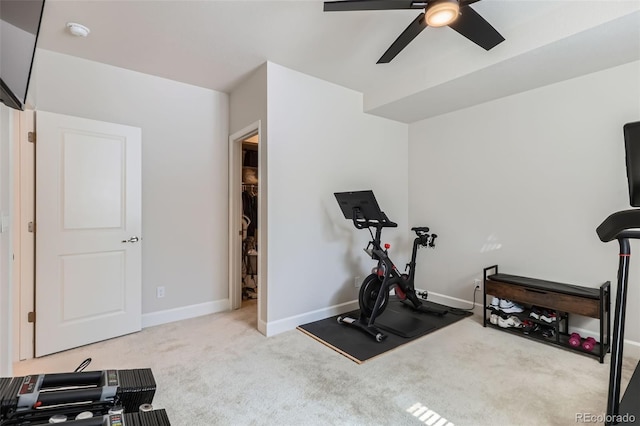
{"x":131,"y":240}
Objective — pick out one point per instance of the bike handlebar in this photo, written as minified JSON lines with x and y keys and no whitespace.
{"x":424,"y":239}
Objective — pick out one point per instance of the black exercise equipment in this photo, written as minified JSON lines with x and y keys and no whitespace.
{"x":34,"y":399}
{"x":624,"y":226}
{"x":142,"y":418}
{"x":362,"y":208}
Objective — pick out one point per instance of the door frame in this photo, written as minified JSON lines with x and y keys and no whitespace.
{"x":24,"y":240}
{"x":235,"y":215}
{"x":9,"y":132}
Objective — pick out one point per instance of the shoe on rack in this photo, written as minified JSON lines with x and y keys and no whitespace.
{"x":517,"y":321}
{"x":535,"y":312}
{"x":548,"y":316}
{"x":510,"y":322}
{"x":495,"y":303}
{"x":493,"y":319}
{"x":508,"y":307}
{"x":529,"y":326}
{"x":549,"y":332}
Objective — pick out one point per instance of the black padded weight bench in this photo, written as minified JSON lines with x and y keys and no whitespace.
{"x":624,"y":226}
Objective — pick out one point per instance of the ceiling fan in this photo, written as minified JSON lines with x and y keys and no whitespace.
{"x":437,"y":13}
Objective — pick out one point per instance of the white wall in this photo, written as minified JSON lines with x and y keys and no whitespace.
{"x":248,"y":101}
{"x":315,"y":141}
{"x":5,"y":242}
{"x":523,"y":182}
{"x":320,"y":142}
{"x":184,"y":170}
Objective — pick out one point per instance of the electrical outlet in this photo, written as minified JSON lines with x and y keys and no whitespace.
{"x":159,"y":292}
{"x":357,"y":281}
{"x":477,"y":283}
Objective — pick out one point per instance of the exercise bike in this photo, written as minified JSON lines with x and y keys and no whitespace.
{"x":362,"y":208}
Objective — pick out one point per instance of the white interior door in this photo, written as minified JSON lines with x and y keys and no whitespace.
{"x":88,"y":231}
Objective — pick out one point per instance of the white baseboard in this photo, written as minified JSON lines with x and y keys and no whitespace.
{"x":279,"y":326}
{"x":286,"y":324}
{"x":184,"y":312}
{"x":445,"y":300}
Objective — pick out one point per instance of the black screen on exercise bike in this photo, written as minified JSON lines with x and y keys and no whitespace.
{"x":365,"y":203}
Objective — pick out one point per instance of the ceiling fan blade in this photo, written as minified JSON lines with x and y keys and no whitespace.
{"x":474,"y":27}
{"x":467,"y":2}
{"x":404,"y":39}
{"x":349,"y":5}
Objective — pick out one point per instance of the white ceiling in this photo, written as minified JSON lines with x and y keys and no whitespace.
{"x":216,"y":44}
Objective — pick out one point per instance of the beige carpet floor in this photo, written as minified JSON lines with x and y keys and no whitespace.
{"x":219,"y":370}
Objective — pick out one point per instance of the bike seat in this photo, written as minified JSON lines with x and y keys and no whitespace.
{"x":419,"y":229}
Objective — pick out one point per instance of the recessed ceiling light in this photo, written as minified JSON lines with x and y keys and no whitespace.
{"x":442,"y":13}
{"x":78,"y":30}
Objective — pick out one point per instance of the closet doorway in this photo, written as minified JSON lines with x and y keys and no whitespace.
{"x":250,"y":193}
{"x":245,"y":283}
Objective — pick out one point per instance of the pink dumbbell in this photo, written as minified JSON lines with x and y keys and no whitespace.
{"x":588,"y":344}
{"x":575,"y":340}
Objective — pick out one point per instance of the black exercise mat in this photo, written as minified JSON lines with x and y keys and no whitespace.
{"x":396,"y":321}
